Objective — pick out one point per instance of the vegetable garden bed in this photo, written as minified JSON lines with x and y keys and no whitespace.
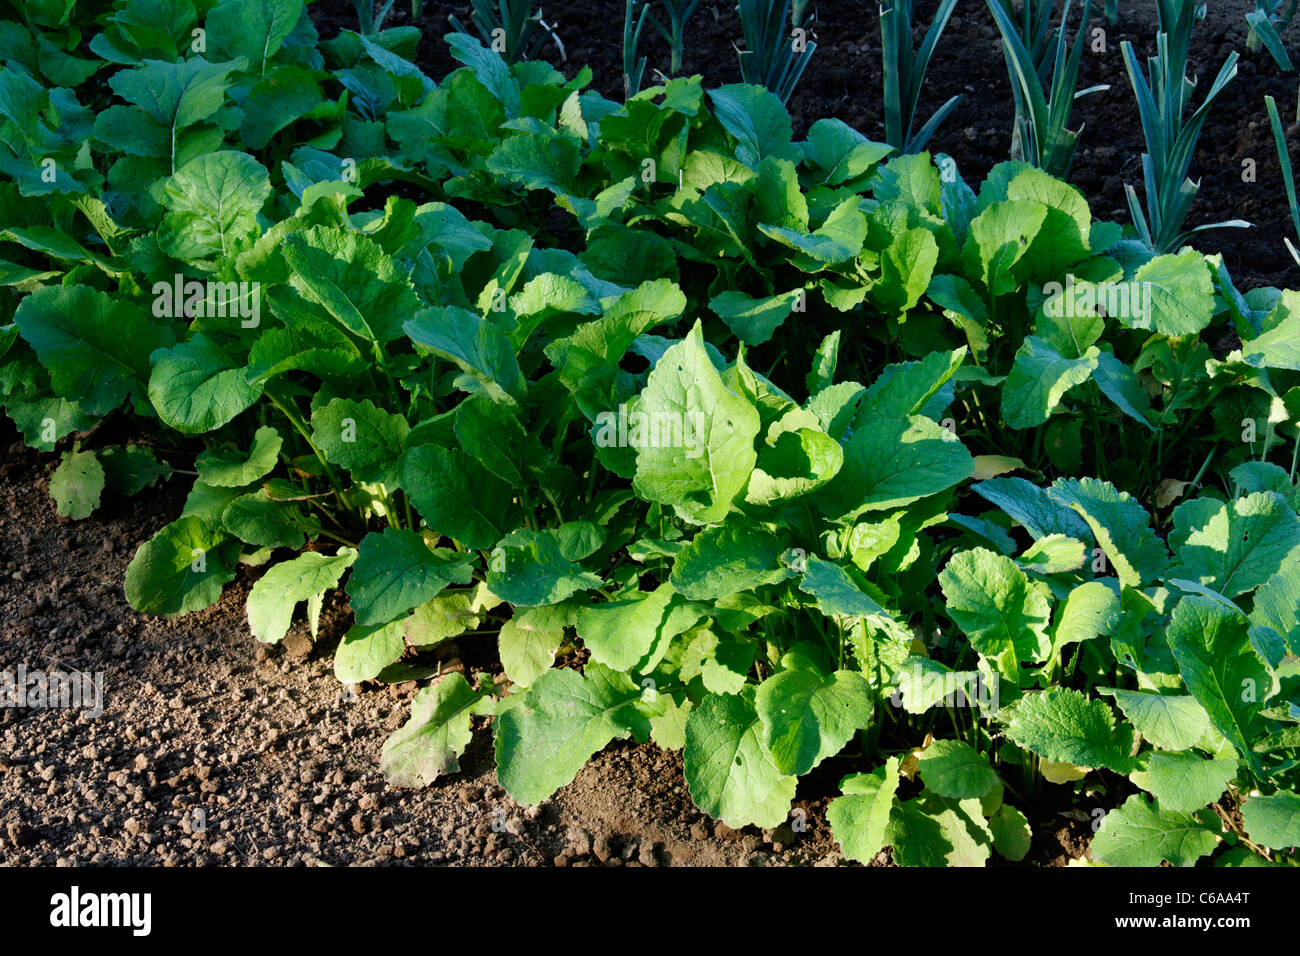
{"x":899,"y":507}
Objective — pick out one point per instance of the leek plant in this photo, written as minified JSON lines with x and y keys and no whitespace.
{"x":1176,"y":18}
{"x":679,"y":11}
{"x":1288,"y":175}
{"x":1040,"y":137}
{"x":1267,"y":21}
{"x":510,"y":27}
{"x":771,"y":57}
{"x":904,"y":71}
{"x":633,"y":66}
{"x":1171,"y":141}
{"x":370,"y":19}
{"x":1034,"y":28}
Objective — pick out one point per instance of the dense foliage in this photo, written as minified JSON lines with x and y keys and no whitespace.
{"x":771,"y":450}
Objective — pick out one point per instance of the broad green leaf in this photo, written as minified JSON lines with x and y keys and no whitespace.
{"x":835,"y":591}
{"x":235,"y":470}
{"x":1039,"y":379}
{"x":912,"y":388}
{"x":1170,"y":721}
{"x":685,"y":395}
{"x":1234,"y":546}
{"x":77,"y":484}
{"x":478,"y":347}
{"x":528,"y":641}
{"x":730,"y":773}
{"x":129,"y":469}
{"x":797,"y":458}
{"x":196,"y":387}
{"x":361,"y":437}
{"x":838,"y":239}
{"x":1273,"y":821}
{"x":308,"y":577}
{"x":456,"y":495}
{"x":620,"y":633}
{"x":936,"y":831}
{"x":563,"y":720}
{"x":1033,"y":507}
{"x":253,"y":29}
{"x":440,"y":619}
{"x":733,"y":557}
{"x":528,"y":569}
{"x":1065,"y":726}
{"x":808,"y":715}
{"x":257,"y":519}
{"x":1184,"y":782}
{"x":350,"y":278}
{"x":998,"y":608}
{"x":492,"y":434}
{"x":1277,"y":605}
{"x":367,"y":649}
{"x":951,"y":768}
{"x":859,"y":817}
{"x":180,"y":569}
{"x":1140,"y":834}
{"x":1119,"y":383}
{"x":1221,"y":669}
{"x":212,"y":205}
{"x":890,"y":462}
{"x":95,"y":346}
{"x":395,"y":571}
{"x":1180,"y":291}
{"x":758,"y":120}
{"x":1012,"y":837}
{"x":1091,"y":610}
{"x":754,"y":320}
{"x":999,"y":237}
{"x":430,"y":744}
{"x":1120,"y":525}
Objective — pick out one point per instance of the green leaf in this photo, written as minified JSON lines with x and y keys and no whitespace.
{"x":1184,"y":782}
{"x":366,"y":650}
{"x":1119,"y":383}
{"x":808,"y":715}
{"x":935,"y":831}
{"x":224,"y":470}
{"x":128,"y":469}
{"x":730,"y":773}
{"x":450,"y":614}
{"x":361,"y":437}
{"x":890,"y":462}
{"x":998,"y":608}
{"x":1033,"y":507}
{"x":1054,"y":554}
{"x":528,"y":569}
{"x":1277,"y":605}
{"x":999,"y":237}
{"x":212,"y":205}
{"x":1181,"y":294}
{"x":253,"y":29}
{"x":1120,"y":525}
{"x":754,"y":320}
{"x":733,"y":557}
{"x":563,"y":719}
{"x":621,"y":633}
{"x":912,"y":388}
{"x":1221,"y":669}
{"x":1234,"y":546}
{"x":308,"y":577}
{"x":180,"y":569}
{"x":479,"y":348}
{"x":836,"y":240}
{"x":1170,"y":721}
{"x":835,"y":591}
{"x":685,"y":396}
{"x":528,"y":641}
{"x":1063,"y":725}
{"x":1012,"y":837}
{"x":395,"y":571}
{"x":951,"y":768}
{"x":859,"y":818}
{"x":196,"y":387}
{"x":457,"y":496}
{"x":350,"y":278}
{"x":1273,"y":821}
{"x":1139,"y":834}
{"x":1091,"y":610}
{"x":840,"y":153}
{"x":430,"y":744}
{"x":1039,"y":379}
{"x":259,"y":520}
{"x":77,"y":484}
{"x":95,"y":346}
{"x":758,"y":120}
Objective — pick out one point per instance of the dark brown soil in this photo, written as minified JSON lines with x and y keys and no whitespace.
{"x":843,"y":80}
